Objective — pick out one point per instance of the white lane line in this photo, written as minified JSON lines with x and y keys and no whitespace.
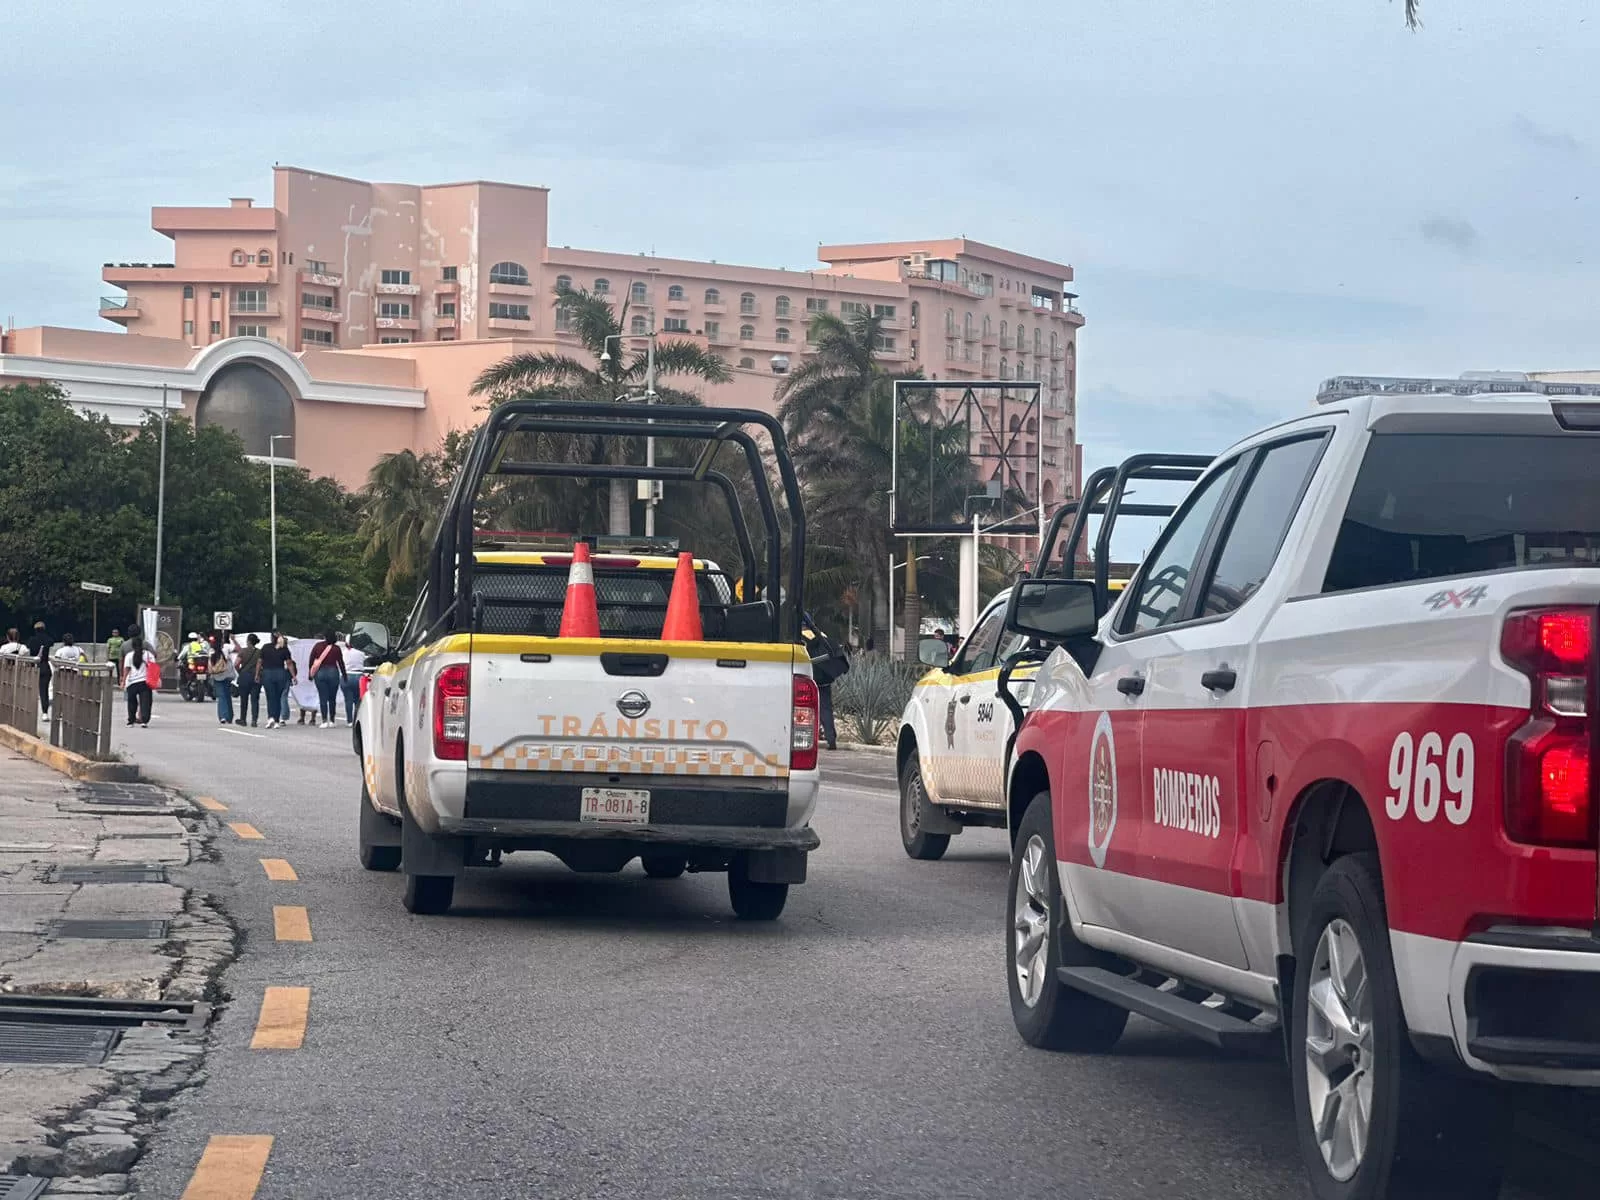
{"x":850,"y":791}
{"x":240,"y":732}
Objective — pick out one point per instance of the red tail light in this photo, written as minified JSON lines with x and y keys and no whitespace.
{"x":803,"y":740}
{"x":451,"y":692}
{"x":1548,"y":801}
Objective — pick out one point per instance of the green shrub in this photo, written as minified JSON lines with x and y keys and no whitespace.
{"x":873,"y":695}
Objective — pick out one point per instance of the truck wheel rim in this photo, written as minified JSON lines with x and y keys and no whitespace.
{"x":911,"y":805}
{"x":1339,"y":1058}
{"x":1030,"y":921}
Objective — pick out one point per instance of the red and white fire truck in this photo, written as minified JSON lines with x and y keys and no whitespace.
{"x":1321,"y":775}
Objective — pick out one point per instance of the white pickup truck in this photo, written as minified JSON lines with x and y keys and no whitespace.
{"x":483,"y":732}
{"x":1320,"y":779}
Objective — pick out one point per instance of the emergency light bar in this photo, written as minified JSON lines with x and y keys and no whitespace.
{"x":1343,"y":387}
{"x":619,"y":544}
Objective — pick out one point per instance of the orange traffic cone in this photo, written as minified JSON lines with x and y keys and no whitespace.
{"x":683,"y":607}
{"x":580,"y":616}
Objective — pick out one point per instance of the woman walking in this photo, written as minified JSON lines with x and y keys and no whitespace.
{"x":222,"y":674}
{"x":141,"y":675}
{"x":276,"y":665}
{"x":327,"y":672}
{"x":249,"y":667}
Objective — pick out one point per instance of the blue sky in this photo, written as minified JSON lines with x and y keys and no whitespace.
{"x":1255,"y":193}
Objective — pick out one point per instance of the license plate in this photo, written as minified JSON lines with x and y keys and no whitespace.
{"x":616,"y":806}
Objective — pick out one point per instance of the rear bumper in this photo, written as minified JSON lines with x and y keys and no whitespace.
{"x":1525,"y":1004}
{"x":539,"y":833}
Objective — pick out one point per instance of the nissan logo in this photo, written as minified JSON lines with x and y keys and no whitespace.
{"x":633,"y":704}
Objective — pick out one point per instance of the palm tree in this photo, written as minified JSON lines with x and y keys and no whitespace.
{"x":838,"y":412}
{"x":401,"y":503}
{"x":615,"y":374}
{"x":1413,"y":14}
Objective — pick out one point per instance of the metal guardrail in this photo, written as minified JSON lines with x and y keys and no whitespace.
{"x":80,"y":715}
{"x":19,"y":693}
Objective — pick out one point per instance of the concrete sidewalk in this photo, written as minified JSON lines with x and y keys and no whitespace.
{"x":65,"y":1114}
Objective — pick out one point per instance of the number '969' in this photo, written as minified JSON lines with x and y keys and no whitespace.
{"x":1426,"y":776}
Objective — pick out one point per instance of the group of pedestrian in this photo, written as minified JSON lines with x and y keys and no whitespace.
{"x":39,"y":648}
{"x":333,"y":667}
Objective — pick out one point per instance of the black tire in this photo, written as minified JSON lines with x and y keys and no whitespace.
{"x":379,"y":836}
{"x":1059,"y":1017}
{"x":429,"y":895}
{"x":754,"y":901}
{"x":1430,"y":1133}
{"x":663,"y":866}
{"x":914,"y":806}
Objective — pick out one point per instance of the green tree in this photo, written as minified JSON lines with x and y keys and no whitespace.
{"x":616,"y":373}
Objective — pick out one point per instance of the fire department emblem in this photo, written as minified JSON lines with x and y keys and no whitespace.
{"x":1102,"y":790}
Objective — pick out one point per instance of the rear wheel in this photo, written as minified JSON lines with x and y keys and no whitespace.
{"x":663,"y":866}
{"x":753,"y":901}
{"x":1373,"y":1118}
{"x":1047,"y":1012}
{"x":429,"y":895}
{"x":914,"y":806}
{"x":379,"y":836}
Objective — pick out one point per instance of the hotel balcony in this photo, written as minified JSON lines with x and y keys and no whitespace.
{"x":268,"y":310}
{"x":512,"y":324}
{"x":397,"y":323}
{"x":123,"y":274}
{"x":680,"y":304}
{"x":715,"y":307}
{"x":1008,"y":299}
{"x":314,"y":313}
{"x":445,"y":320}
{"x":448,"y":287}
{"x":397,"y":289}
{"x":724,"y":336}
{"x":990,"y":338}
{"x":753,"y":309}
{"x":510,"y":289}
{"x":321,"y":278}
{"x":120,"y":308}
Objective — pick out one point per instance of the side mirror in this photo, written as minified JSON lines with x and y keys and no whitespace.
{"x":933,"y":652}
{"x":1054,"y":609}
{"x":370,"y":637}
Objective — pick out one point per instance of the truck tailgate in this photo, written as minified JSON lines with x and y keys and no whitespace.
{"x":625,"y":707}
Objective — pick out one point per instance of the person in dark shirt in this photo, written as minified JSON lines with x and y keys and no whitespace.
{"x":276,"y":665}
{"x":39,"y":648}
{"x":327,"y":672}
{"x":249,"y":664}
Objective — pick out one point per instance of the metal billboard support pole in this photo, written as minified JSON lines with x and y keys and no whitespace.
{"x":161,"y":494}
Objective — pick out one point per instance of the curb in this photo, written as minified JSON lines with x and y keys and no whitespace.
{"x":862,"y":746}
{"x":74,"y":766}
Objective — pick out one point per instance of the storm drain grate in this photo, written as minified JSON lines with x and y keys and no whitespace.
{"x":124,"y":929}
{"x":112,"y":873}
{"x":23,"y":1009}
{"x":118,"y":794}
{"x":22,"y":1187}
{"x":79,"y":1045}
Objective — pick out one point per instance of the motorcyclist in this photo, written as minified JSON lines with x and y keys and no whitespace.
{"x":192,"y":667}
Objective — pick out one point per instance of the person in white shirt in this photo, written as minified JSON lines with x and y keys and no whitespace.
{"x":69,"y":651}
{"x":13,"y":644}
{"x":354,"y":662}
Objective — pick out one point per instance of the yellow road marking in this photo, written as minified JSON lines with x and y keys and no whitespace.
{"x":291,"y":923}
{"x":282,"y":1023}
{"x":278,"y":869}
{"x":230,"y":1168}
{"x":248,"y":832}
{"x":210,"y":804}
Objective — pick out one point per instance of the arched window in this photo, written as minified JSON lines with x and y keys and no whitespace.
{"x":713,"y":296}
{"x":916,"y":313}
{"x":966,"y":326}
{"x":639,"y":326}
{"x":783,"y":333}
{"x":988,"y":325}
{"x":638,"y":293}
{"x":563,"y":283}
{"x":747,"y":363}
{"x":747,"y":333}
{"x":1072,"y":351}
{"x":1005,"y":330}
{"x":264,"y":258}
{"x":509,"y":272}
{"x":1022,"y":336}
{"x":747,"y":302}
{"x":250,"y":400}
{"x":675,"y":292}
{"x":1038,"y":340}
{"x":1016,"y":423}
{"x":1048,"y":495}
{"x":950,"y":322}
{"x":1054,"y":345}
{"x":602,"y":287}
{"x":780,"y":306}
{"x":240,"y":258}
{"x":1033,"y":425}
{"x":1005,"y":366}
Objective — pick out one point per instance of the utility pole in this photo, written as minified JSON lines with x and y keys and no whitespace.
{"x":272,"y":489}
{"x":650,"y":442}
{"x":161,"y":495}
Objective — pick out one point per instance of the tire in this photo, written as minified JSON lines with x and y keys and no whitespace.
{"x":1428,"y":1133}
{"x":429,"y":895}
{"x":926,"y":847}
{"x":1046,"y":1012}
{"x":379,"y":836}
{"x":663,"y":866}
{"x":754,"y":901}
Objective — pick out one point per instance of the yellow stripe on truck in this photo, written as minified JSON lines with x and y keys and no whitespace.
{"x":463,"y":643}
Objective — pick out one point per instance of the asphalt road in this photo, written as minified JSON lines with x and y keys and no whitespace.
{"x":561,"y":1035}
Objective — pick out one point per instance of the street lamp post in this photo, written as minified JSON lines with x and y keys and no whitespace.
{"x":272,"y":493}
{"x":161,"y":496}
{"x":649,"y":398}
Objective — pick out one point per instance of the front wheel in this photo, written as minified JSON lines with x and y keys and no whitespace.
{"x":754,"y":901}
{"x":918,"y":843}
{"x":1373,"y":1118}
{"x":1046,"y":1012}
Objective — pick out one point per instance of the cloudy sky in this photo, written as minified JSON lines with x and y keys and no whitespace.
{"x":1255,"y":193}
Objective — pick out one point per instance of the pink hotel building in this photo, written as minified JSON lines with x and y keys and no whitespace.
{"x":349,"y":319}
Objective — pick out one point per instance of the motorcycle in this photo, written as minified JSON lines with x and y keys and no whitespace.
{"x":194,"y":679}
